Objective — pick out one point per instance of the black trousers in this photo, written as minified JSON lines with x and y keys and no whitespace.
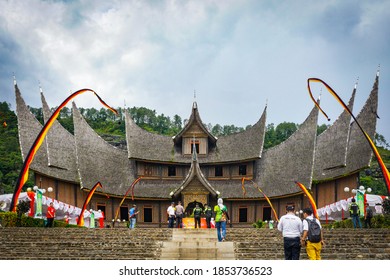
{"x":49,"y":222}
{"x":367,"y":223}
{"x":197,"y":221}
{"x":292,"y":248}
{"x":208,"y":222}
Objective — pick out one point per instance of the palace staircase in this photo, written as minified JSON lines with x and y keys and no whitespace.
{"x":162,"y":243}
{"x":196,"y":244}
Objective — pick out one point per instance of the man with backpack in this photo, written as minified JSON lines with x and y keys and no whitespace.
{"x":354,"y":212}
{"x":312,"y":236}
{"x":368,"y":216}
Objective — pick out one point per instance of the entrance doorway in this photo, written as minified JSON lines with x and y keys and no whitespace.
{"x":190,"y":207}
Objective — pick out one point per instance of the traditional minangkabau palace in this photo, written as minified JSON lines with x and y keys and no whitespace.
{"x":194,"y":166}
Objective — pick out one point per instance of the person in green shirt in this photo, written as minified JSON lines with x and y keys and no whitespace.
{"x":221,"y":217}
{"x":208,"y":213}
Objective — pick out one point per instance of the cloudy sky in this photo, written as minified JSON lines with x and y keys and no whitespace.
{"x":236,"y":55}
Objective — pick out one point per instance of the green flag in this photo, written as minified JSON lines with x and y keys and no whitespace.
{"x":360,"y":202}
{"x":38,"y":211}
{"x":92,"y":220}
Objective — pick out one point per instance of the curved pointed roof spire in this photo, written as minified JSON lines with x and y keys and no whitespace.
{"x":40,"y":87}
{"x":14,"y":79}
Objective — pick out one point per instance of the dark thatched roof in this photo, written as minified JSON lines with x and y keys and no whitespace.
{"x":98,"y":161}
{"x":246,"y":145}
{"x":29,"y":128}
{"x":61,"y":149}
{"x":87,"y":158}
{"x":331,"y":148}
{"x":290,"y":161}
{"x":194,"y":120}
{"x":359,"y":152}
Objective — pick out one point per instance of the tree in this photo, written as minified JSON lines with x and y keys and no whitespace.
{"x":217,"y":130}
{"x":321,"y":128}
{"x":381,"y":141}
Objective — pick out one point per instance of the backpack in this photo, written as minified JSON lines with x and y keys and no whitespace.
{"x":354,"y":210}
{"x":369,"y":213}
{"x":314,"y":231}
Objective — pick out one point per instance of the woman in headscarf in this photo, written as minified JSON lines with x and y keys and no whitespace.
{"x":221,"y":218}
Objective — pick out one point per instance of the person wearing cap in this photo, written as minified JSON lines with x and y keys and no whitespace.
{"x":313,"y":249}
{"x":291,"y":228}
{"x":133,"y":216}
{"x":171,"y":215}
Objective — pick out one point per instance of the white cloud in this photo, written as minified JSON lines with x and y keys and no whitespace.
{"x":235,"y":54}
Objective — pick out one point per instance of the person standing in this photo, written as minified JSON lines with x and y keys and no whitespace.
{"x":354,"y":212}
{"x":312,"y":237}
{"x":368,"y":216}
{"x":51,"y":212}
{"x":208,"y":214}
{"x":133,"y":213}
{"x":221,"y":218}
{"x":291,"y":228}
{"x":171,"y":215}
{"x":197,"y":214}
{"x":179,"y":215}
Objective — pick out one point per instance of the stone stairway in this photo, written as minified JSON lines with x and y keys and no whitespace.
{"x":163,"y":243}
{"x":82,"y":243}
{"x":196,"y":244}
{"x":340,"y":244}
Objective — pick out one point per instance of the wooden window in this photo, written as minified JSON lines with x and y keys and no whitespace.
{"x":266,"y":213}
{"x":101,"y":207}
{"x":196,"y":146}
{"x":171,"y":170}
{"x":218,"y":171}
{"x":124,"y":213}
{"x":242,"y":170}
{"x":243,"y":215}
{"x":148,"y":214}
{"x":148,"y":170}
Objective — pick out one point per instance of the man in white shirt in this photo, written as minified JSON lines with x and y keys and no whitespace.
{"x":171,"y":215}
{"x":291,"y":228}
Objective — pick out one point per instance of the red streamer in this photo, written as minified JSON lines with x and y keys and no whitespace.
{"x":23,"y":176}
{"x":131,"y":188}
{"x":265,"y":196}
{"x":311,"y":200}
{"x":80,"y":221}
{"x":385,"y":171}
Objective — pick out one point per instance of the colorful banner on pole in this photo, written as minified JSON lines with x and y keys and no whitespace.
{"x":92,"y":220}
{"x":38,"y":211}
{"x":360,"y":202}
